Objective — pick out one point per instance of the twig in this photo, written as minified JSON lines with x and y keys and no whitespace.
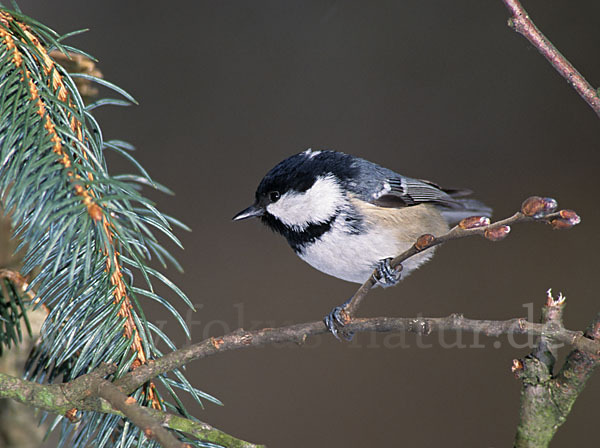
{"x":138,"y":415}
{"x":523,"y":25}
{"x":534,"y":208}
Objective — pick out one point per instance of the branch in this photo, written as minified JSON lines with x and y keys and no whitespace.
{"x":523,"y":25}
{"x":200,"y":430}
{"x":80,"y":394}
{"x":139,"y":415}
{"x":547,"y":399}
{"x":298,"y":333}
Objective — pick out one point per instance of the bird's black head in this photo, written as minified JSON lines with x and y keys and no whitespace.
{"x":299,"y":172}
{"x":303,"y":193}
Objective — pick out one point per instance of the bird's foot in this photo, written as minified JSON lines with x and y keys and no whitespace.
{"x":337,"y":319}
{"x":387,"y":275}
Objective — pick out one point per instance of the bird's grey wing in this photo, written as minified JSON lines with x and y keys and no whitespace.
{"x":386,"y":188}
{"x":402,"y":191}
{"x":399,"y":191}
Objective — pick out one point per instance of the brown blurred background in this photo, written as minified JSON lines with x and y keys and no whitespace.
{"x":437,"y":90}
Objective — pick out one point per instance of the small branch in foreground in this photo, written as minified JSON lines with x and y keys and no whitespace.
{"x":523,"y":25}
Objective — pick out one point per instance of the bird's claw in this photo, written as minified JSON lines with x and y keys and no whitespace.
{"x":336,"y":320}
{"x":386,"y":275}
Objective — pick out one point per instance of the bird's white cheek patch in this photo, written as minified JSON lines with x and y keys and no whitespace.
{"x":316,"y":205}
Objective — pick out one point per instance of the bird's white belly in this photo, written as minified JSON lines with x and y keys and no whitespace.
{"x":352,"y":257}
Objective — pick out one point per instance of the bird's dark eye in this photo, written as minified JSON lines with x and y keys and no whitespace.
{"x":274,"y":196}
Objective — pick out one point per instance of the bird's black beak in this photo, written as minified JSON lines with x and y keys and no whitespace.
{"x":250,"y":212}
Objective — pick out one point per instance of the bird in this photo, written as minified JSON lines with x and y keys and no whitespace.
{"x":348,"y":217}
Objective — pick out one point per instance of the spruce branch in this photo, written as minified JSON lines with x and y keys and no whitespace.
{"x":200,"y":430}
{"x":85,"y":233}
{"x":79,"y":63}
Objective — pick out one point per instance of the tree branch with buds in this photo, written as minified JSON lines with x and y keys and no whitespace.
{"x":534,"y":208}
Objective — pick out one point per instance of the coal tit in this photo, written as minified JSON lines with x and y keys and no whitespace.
{"x":346,"y":216}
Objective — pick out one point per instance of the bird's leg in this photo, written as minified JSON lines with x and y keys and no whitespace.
{"x":386,"y":275}
{"x":336,"y":320}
